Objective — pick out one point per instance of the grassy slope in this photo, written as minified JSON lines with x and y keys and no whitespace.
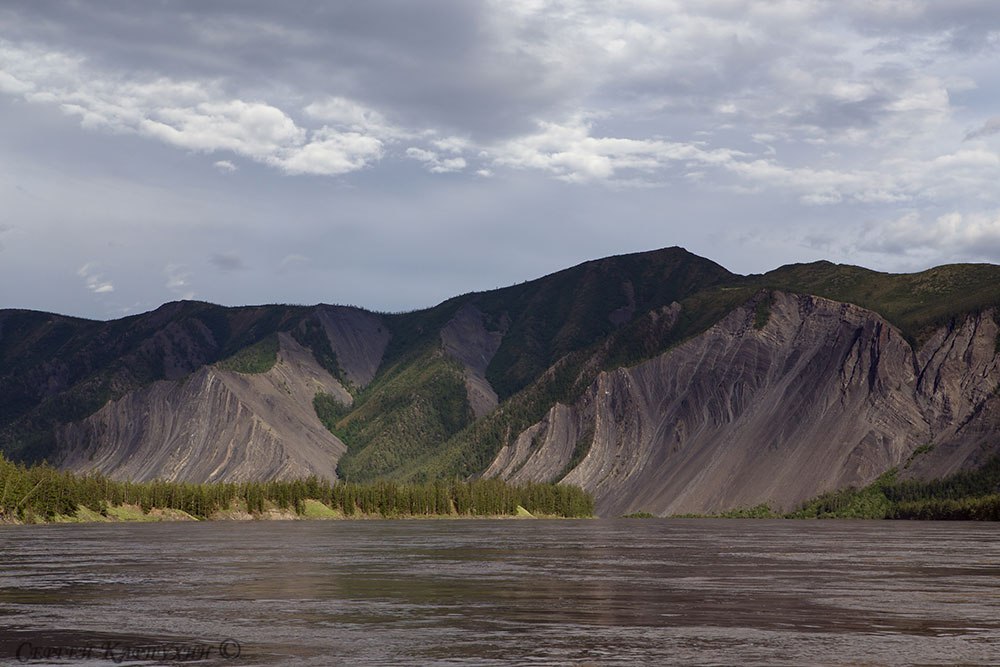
{"x":917,"y":303}
{"x":259,"y":357}
{"x":409,"y":411}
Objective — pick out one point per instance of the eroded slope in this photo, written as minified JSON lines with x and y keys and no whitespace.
{"x":215,"y":425}
{"x":822,"y":396}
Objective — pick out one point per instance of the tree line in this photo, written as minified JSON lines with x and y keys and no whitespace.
{"x":41,"y":492}
{"x":969,"y":494}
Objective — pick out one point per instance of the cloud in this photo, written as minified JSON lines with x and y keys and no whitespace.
{"x":345,"y":114}
{"x":573,"y":67}
{"x":254,"y":129}
{"x":799,"y":118}
{"x":198,"y":116}
{"x":987,"y":129}
{"x":178,"y":281}
{"x":228,"y":262}
{"x":434,"y":162}
{"x":94,"y":280}
{"x":570,"y":152}
{"x":12,"y":85}
{"x":331,"y":153}
{"x":292,"y":262}
{"x":962,"y":236}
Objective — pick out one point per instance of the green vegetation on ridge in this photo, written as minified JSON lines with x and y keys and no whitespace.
{"x":917,"y":303}
{"x":409,"y":412}
{"x":254,"y":359}
{"x":54,"y":369}
{"x":571,"y":310}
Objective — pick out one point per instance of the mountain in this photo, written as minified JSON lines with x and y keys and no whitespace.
{"x":659,"y":381}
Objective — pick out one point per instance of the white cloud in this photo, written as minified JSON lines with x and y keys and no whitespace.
{"x":958,"y":235}
{"x":178,"y":281}
{"x":225,"y":166}
{"x":738,"y":67}
{"x":434,"y":162}
{"x":256,"y":130}
{"x":12,"y":85}
{"x":453,"y":145}
{"x":198,"y":116}
{"x":330,"y":153}
{"x":94,"y":280}
{"x":570,"y":152}
{"x":345,"y":114}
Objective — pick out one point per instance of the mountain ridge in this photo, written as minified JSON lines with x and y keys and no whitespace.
{"x":453,"y":389}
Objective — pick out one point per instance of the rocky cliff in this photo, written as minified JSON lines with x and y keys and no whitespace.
{"x":466,"y":339}
{"x":776,"y":403}
{"x":214,"y":425}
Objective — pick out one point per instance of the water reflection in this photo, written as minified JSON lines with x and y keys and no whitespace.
{"x":514,"y":592}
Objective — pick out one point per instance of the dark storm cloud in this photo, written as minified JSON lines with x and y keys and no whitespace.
{"x":435,"y":62}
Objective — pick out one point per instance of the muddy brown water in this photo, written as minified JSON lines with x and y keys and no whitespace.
{"x":601,"y":592}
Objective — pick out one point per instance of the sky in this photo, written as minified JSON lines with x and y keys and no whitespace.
{"x":391,"y":154}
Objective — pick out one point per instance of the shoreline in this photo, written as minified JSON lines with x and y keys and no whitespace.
{"x":314,"y":511}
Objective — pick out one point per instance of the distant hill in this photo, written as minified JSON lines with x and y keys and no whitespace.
{"x":659,"y":381}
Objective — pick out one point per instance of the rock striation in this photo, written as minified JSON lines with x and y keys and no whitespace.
{"x":466,"y":340}
{"x":822,"y":396}
{"x":214,"y":425}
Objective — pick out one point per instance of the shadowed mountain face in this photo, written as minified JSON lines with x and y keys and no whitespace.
{"x":658,"y":381}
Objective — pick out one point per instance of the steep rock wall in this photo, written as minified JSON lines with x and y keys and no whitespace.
{"x":214,"y":425}
{"x":358,"y":338}
{"x":823,"y":396}
{"x":465,"y":339}
{"x":959,"y":384}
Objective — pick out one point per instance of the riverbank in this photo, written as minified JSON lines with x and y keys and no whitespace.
{"x":313,"y":510}
{"x":42,"y":494}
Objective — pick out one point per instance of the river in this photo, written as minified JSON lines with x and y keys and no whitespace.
{"x":519,"y":592}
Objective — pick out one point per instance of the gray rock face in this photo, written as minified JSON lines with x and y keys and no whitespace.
{"x":466,"y":340}
{"x":214,"y":426}
{"x":959,"y":385}
{"x":358,"y":338}
{"x":825,"y":395}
